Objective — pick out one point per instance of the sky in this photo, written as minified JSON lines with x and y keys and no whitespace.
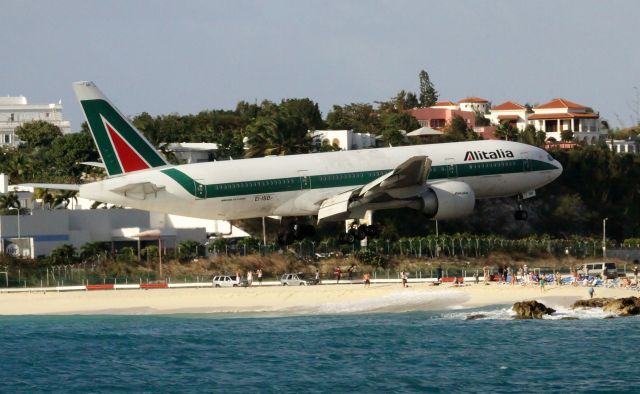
{"x":183,"y":57}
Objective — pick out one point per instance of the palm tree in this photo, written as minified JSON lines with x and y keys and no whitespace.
{"x":94,"y":251}
{"x":9,"y":201}
{"x":278,"y":135}
{"x":44,"y":195}
{"x":64,"y":198}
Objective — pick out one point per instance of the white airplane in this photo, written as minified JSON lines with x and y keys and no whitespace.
{"x":442,"y":181}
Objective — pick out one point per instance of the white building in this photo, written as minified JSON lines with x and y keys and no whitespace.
{"x":343,"y":139}
{"x":560,"y":115}
{"x":14,"y":111}
{"x":511,"y":113}
{"x":474,"y":104}
{"x":623,"y":146}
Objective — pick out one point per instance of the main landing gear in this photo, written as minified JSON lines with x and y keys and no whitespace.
{"x":358,"y":232}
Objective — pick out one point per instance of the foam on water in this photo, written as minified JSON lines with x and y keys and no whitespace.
{"x":505,"y":312}
{"x":396,"y":302}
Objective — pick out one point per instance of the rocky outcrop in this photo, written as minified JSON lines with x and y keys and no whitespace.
{"x":591,"y":303}
{"x":629,"y":306}
{"x":476,"y":317}
{"x":531,"y":310}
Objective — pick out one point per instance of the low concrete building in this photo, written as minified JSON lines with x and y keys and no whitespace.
{"x":343,"y":139}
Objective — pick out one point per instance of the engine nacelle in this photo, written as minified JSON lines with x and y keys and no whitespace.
{"x":447,"y":200}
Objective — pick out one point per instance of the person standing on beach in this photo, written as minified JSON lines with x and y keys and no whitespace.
{"x":542,"y":282}
{"x":475,"y":277}
{"x":635,"y":274}
{"x":259,"y":273}
{"x":367,"y":279}
{"x":405,"y":279}
{"x":250,"y":278}
{"x":591,"y":291}
{"x":338,"y":273}
{"x":485,"y":271}
{"x":317,"y":278}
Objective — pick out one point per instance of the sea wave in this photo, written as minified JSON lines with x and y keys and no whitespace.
{"x":395,"y":302}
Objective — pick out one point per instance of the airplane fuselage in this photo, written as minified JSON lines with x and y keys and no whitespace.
{"x":296,"y":185}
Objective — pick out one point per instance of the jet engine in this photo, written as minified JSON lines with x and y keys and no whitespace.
{"x":447,"y":200}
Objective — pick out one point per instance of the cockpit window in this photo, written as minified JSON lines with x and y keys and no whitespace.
{"x":550,"y":158}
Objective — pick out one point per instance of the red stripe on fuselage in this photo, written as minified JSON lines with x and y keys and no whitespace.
{"x":129,"y":159}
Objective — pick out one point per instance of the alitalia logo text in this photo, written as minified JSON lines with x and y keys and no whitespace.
{"x":484,"y":155}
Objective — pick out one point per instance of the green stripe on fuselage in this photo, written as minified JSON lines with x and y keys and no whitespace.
{"x":276,"y":185}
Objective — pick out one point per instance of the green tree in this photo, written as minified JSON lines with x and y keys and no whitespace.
{"x":428,"y":93}
{"x":63,"y":254}
{"x":277,"y":135}
{"x":458,"y":130}
{"x":8,"y":202}
{"x":63,"y":198}
{"x":37,"y":134}
{"x":506,"y":131}
{"x":189,"y":250}
{"x":566,"y":135}
{"x":94,"y":251}
{"x":532,"y":136}
{"x":392,"y":123}
{"x":359,"y":117}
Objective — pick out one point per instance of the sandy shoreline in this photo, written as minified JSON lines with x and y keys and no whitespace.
{"x":388,"y":297}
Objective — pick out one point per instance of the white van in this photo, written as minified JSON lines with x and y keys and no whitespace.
{"x":598,"y":268}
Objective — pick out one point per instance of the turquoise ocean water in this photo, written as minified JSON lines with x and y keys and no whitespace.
{"x":390,"y":352}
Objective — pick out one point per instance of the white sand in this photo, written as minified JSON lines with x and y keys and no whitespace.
{"x":290,"y":300}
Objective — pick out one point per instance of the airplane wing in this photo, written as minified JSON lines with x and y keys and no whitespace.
{"x":138,"y":190}
{"x":391,"y":188}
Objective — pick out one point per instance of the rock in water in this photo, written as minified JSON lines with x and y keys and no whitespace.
{"x":629,"y":306}
{"x":531,"y":310}
{"x":591,"y":303}
{"x":475,"y":317}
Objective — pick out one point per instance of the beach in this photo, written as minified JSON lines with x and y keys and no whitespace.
{"x":281,"y":300}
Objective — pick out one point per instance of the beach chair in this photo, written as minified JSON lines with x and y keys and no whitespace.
{"x":613,"y":283}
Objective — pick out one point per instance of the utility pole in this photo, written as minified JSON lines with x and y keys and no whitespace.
{"x":604,"y":239}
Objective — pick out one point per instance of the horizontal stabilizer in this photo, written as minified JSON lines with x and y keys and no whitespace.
{"x":54,"y":186}
{"x":139,"y":190}
{"x":98,"y":164}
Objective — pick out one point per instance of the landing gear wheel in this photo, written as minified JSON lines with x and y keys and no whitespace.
{"x":349,"y":238}
{"x":371,"y":231}
{"x":361,"y":232}
{"x":521,"y":214}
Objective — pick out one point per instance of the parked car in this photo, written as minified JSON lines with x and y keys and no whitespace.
{"x":225,"y":281}
{"x":608,"y":270}
{"x":292,"y":280}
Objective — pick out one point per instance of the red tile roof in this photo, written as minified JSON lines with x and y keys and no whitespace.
{"x":445,"y":104}
{"x":563,"y":115}
{"x":508,"y":117}
{"x":473,"y":99}
{"x":509,"y":105}
{"x":560,"y":103}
